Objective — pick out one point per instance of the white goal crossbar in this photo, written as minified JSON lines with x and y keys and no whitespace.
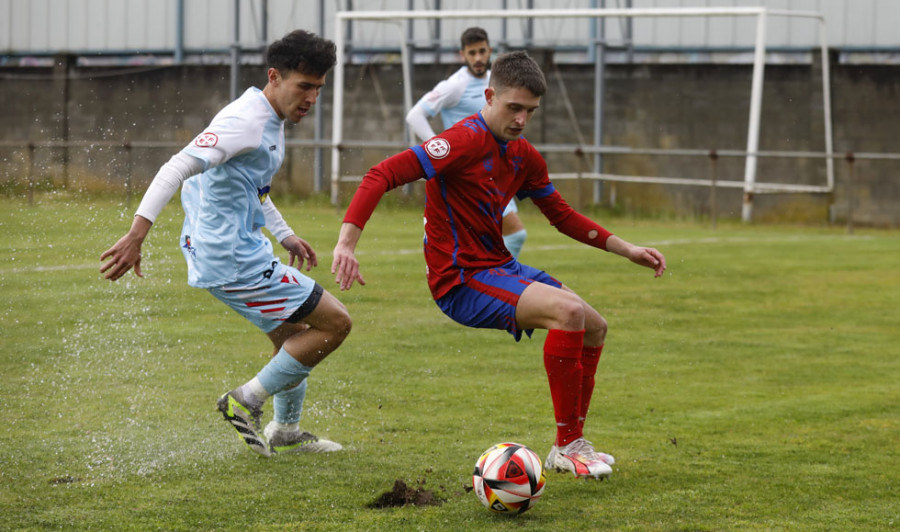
{"x":750,"y":185}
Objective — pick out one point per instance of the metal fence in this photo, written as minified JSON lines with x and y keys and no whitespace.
{"x":581,"y":156}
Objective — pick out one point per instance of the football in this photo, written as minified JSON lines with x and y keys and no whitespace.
{"x":508,"y":478}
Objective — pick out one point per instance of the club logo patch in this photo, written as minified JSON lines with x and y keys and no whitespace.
{"x":437,"y":148}
{"x":188,"y":247}
{"x":263,"y":193}
{"x":206,"y":140}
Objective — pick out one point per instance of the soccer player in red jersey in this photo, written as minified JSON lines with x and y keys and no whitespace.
{"x":472,"y":170}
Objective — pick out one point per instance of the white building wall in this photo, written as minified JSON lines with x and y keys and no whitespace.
{"x":41,"y":26}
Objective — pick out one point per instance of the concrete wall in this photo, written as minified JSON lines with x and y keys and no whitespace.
{"x":647,"y":106}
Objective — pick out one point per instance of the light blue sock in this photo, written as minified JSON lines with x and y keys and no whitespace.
{"x":515,"y":241}
{"x":282,"y":372}
{"x":288,"y":404}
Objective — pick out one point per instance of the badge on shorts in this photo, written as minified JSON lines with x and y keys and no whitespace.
{"x":437,"y":148}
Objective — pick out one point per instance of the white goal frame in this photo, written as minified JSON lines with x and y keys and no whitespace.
{"x":750,"y":185}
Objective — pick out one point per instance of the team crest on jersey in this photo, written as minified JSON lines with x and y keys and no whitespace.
{"x":517,"y":163}
{"x":263,"y":193}
{"x":188,"y":247}
{"x":437,"y":148}
{"x":488,"y":162}
{"x":206,"y":140}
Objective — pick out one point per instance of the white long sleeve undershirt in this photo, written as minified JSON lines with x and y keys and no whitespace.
{"x":166,"y":183}
{"x":175,"y":172}
{"x":417,"y":118}
{"x":275,"y":221}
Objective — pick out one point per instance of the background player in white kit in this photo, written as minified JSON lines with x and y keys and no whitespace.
{"x":460,"y":96}
{"x":227,"y":173}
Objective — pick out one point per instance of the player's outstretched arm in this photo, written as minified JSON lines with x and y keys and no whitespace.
{"x":648,"y":257}
{"x":345,"y":267}
{"x":126,"y":253}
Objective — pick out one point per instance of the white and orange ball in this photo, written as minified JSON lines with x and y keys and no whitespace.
{"x":508,"y":478}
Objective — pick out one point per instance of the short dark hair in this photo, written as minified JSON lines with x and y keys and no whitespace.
{"x":301,"y":51}
{"x":518,"y":70}
{"x":473,"y":35}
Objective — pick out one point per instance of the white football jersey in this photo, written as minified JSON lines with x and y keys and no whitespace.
{"x":242,"y":149}
{"x":457,"y":97}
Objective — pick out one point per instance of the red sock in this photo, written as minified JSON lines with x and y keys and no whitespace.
{"x":590,"y":357}
{"x":562,"y":360}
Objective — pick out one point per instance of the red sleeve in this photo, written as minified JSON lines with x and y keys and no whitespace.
{"x":571,"y":223}
{"x":390,"y":173}
{"x":567,"y":220}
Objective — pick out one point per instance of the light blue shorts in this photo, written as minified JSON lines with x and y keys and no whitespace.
{"x":511,"y":207}
{"x":280,"y":294}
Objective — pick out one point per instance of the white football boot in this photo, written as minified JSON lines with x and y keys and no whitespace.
{"x":294,"y":441}
{"x":580,"y":459}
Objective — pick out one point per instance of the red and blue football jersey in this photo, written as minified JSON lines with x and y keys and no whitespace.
{"x":471,"y":176}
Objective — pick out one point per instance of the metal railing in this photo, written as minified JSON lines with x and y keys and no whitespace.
{"x":711,"y":181}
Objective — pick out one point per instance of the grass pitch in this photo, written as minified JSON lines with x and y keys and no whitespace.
{"x":754,"y":387}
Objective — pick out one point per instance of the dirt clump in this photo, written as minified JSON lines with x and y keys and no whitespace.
{"x":401,"y":495}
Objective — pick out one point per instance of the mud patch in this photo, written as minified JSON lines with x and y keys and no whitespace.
{"x":401,"y":495}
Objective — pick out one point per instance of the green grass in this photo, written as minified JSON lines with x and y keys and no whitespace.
{"x":754,"y":387}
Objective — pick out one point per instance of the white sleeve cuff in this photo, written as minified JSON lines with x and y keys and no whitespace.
{"x":166,"y":182}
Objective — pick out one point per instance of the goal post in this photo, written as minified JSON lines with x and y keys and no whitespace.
{"x":750,"y":185}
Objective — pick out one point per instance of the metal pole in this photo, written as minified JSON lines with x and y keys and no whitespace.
{"x":318,"y":163}
{"x":406,"y":53}
{"x":349,"y":39}
{"x":406,"y":62}
{"x":236,"y":50}
{"x":599,"y":28}
{"x":851,"y":192}
{"x":337,"y":128}
{"x":713,"y":178}
{"x":179,"y":32}
{"x":579,"y":164}
{"x":629,"y":33}
{"x":759,"y":62}
{"x":504,"y":32}
{"x":826,"y":103}
{"x":264,"y":22}
{"x":529,"y":26}
{"x":437,"y":33}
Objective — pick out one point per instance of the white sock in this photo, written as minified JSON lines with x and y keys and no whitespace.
{"x":254,"y":391}
{"x":286,"y":427}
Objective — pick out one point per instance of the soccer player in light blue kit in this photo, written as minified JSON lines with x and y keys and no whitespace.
{"x":226,"y":173}
{"x":460,"y":96}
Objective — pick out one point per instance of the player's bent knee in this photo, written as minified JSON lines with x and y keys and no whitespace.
{"x":596,"y":323}
{"x":570,"y":313}
{"x":342,"y":325}
{"x":337,"y":322}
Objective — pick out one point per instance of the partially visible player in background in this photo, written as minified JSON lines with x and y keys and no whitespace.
{"x":227,"y":172}
{"x":471,"y":171}
{"x":459,"y":96}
